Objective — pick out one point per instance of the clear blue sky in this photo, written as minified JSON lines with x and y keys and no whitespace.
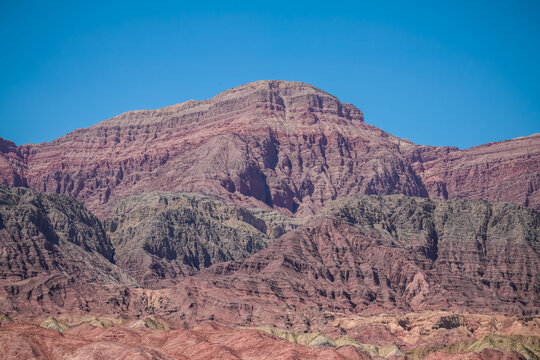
{"x":457,"y":73}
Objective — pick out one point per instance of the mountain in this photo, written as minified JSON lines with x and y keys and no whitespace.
{"x":371,"y":254}
{"x":360,"y":255}
{"x":162,"y":235}
{"x":55,"y":254}
{"x":367,"y":277}
{"x":274,"y":144}
{"x":268,"y":219}
{"x":501,"y":171}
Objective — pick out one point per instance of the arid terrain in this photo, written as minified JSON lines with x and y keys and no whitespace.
{"x":269,"y":222}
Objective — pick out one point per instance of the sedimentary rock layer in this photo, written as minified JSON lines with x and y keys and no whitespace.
{"x":54,"y":254}
{"x":379,"y":254}
{"x":367,"y":254}
{"x":74,"y":336}
{"x":162,"y":235}
{"x":278,"y":144}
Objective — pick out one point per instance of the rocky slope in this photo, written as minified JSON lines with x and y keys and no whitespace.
{"x":377,"y":254}
{"x":366,"y":255}
{"x":54,"y":254}
{"x":337,"y":274}
{"x":502,"y":171}
{"x":285,"y":145}
{"x":189,"y":276}
{"x":207,"y":341}
{"x":88,"y":336}
{"x":162,"y":235}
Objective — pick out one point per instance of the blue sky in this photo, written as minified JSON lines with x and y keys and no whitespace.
{"x":456,"y":73}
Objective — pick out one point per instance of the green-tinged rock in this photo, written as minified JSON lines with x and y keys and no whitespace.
{"x":528,"y":346}
{"x":162,"y":235}
{"x":53,"y":324}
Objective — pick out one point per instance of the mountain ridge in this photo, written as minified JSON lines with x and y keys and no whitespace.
{"x":275,"y":144}
{"x":367,"y":276}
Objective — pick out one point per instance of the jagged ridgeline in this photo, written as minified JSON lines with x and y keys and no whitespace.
{"x":46,"y":233}
{"x":374,"y":254}
{"x":190,"y":258}
{"x":169,"y":235}
{"x":314,"y":226}
{"x":370,"y":252}
{"x":272,"y":144}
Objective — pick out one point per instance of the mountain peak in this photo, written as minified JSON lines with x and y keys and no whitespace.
{"x":280,"y":87}
{"x":276,"y":144}
{"x":290,"y":101}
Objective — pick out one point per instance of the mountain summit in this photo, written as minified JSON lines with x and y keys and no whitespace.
{"x":274,"y":144}
{"x":288,"y":100}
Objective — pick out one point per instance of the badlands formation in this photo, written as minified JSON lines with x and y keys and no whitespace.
{"x":270,"y":221}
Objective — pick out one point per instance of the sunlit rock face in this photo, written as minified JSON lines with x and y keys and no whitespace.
{"x":284,"y":145}
{"x":270,"y":219}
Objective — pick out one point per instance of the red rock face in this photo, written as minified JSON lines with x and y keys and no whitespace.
{"x":486,"y":354}
{"x":358,"y":259}
{"x":205,"y":342}
{"x":502,"y":171}
{"x":12,"y":165}
{"x":54,"y":255}
{"x":374,"y":255}
{"x":363,"y":255}
{"x":272,"y":144}
{"x":285,"y":145}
